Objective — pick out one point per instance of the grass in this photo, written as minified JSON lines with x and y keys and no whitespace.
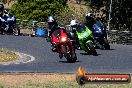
{"x":65,"y":84}
{"x":49,"y":81}
{"x":6,"y":55}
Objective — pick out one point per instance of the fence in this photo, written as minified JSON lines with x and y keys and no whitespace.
{"x":120,"y":37}
{"x":114,"y":36}
{"x":28,"y":27}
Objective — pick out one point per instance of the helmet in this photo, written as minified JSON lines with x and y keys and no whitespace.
{"x":51,"y":19}
{"x":1,"y":7}
{"x":73,"y":23}
{"x":52,"y":22}
{"x":89,"y":15}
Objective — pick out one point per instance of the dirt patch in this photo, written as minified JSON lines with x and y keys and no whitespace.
{"x":35,"y":78}
{"x":21,"y":58}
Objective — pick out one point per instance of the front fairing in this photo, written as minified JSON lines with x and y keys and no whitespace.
{"x":59,"y":36}
{"x":98,"y":29}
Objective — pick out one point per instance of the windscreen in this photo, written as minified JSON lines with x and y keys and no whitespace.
{"x":81,"y":29}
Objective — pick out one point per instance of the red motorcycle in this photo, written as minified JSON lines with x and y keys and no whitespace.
{"x":63,"y":45}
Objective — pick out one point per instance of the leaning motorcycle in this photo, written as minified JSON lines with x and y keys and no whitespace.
{"x":100,"y":36}
{"x":8,"y":25}
{"x":86,"y":39}
{"x":73,"y":37}
{"x":63,"y":45}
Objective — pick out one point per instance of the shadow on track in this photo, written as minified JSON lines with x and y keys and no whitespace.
{"x":89,"y":54}
{"x":68,"y":62}
{"x":106,"y":49}
{"x":112,"y":49}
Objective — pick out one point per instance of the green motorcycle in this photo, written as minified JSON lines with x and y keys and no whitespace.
{"x":86,"y":39}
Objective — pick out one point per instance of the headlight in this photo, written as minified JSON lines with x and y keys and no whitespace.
{"x":63,"y":39}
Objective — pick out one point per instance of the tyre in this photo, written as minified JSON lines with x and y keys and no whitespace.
{"x":16,"y":31}
{"x":92,"y":49}
{"x":71,"y":59}
{"x":70,"y":56}
{"x":106,"y":44}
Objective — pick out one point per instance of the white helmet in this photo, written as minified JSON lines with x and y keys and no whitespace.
{"x":73,"y":22}
{"x":51,"y":19}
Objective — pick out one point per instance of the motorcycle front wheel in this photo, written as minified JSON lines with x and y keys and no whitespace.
{"x":16,"y":31}
{"x":69,"y":55}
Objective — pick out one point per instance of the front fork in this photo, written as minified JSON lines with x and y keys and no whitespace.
{"x":62,"y":48}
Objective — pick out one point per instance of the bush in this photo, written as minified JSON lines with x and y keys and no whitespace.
{"x":36,"y":10}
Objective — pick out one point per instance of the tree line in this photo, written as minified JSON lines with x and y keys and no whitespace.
{"x":121,"y":16}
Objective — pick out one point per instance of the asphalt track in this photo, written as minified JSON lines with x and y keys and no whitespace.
{"x":116,"y":60}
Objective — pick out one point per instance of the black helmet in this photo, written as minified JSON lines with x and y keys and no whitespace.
{"x":52,"y":21}
{"x":1,"y":7}
{"x":89,"y":18}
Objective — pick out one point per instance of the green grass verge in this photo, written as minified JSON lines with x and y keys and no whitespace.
{"x":66,"y":84}
{"x":6,"y":55}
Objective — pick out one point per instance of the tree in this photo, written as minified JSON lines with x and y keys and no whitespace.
{"x":121,"y":12}
{"x":37,"y":9}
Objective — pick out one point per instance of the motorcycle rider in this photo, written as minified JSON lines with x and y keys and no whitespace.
{"x":3,"y":13}
{"x":2,"y":10}
{"x":52,"y":27}
{"x":52,"y":23}
{"x":74,"y":25}
{"x":89,"y":20}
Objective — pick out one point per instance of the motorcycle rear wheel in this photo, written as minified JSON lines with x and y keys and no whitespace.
{"x":69,"y":58}
{"x":91,"y":49}
{"x":106,"y":45}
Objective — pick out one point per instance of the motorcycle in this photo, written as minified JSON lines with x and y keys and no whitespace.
{"x":73,"y":37}
{"x":86,"y":39}
{"x":8,"y":25}
{"x":100,"y":36}
{"x":63,"y":45}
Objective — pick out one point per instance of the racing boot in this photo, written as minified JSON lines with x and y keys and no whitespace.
{"x":53,"y":47}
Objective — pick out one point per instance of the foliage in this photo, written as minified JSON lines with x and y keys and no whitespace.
{"x":36,"y":9}
{"x":121,"y":12}
{"x":40,"y":9}
{"x":66,"y":15}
